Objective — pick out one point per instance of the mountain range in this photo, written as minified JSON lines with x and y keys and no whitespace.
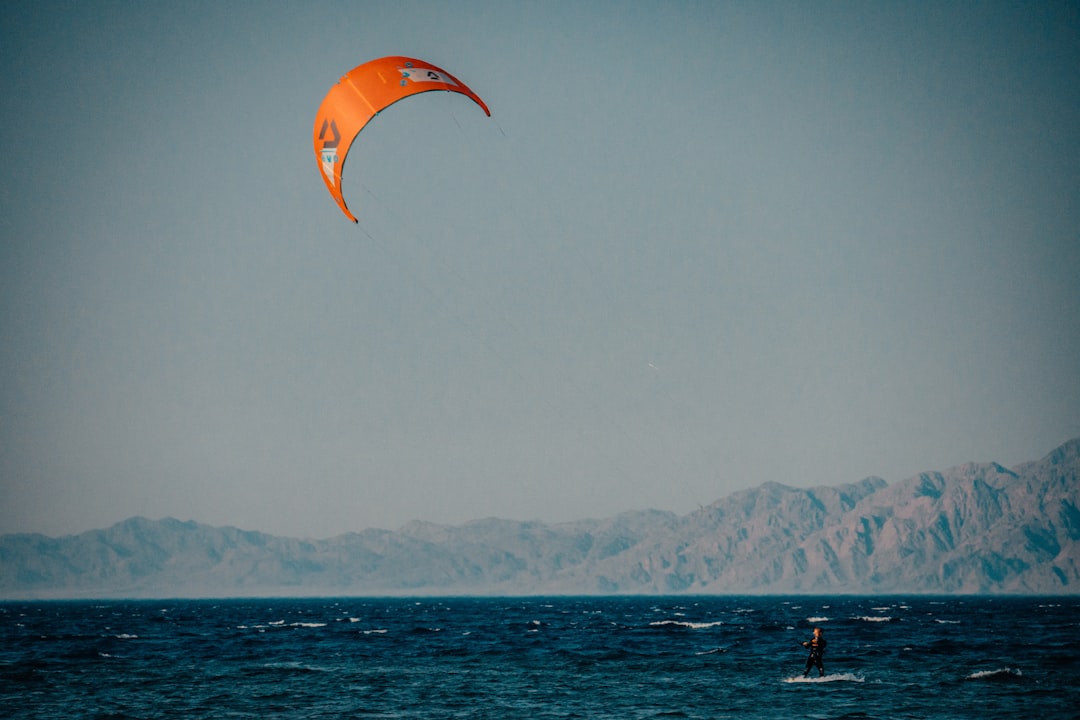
{"x":974,"y":528}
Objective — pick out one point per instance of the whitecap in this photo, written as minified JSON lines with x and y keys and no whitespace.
{"x":817,"y":619}
{"x":1000,"y":673}
{"x":687,"y":624}
{"x":837,"y":677}
{"x":126,"y":636}
{"x":293,"y":666}
{"x":873,"y":618}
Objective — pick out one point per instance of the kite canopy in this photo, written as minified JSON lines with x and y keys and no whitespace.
{"x":361,"y":95}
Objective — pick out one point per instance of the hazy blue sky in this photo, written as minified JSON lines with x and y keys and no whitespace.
{"x":697,"y":247}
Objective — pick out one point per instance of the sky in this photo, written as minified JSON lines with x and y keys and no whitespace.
{"x":697,"y":247}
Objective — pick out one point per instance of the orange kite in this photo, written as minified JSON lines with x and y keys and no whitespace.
{"x":363,"y":93}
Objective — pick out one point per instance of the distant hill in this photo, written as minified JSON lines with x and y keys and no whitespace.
{"x":976,"y":528}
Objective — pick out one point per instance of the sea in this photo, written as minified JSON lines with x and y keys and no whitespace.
{"x":541,"y":657}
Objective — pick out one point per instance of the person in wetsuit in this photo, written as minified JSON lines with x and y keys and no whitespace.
{"x":817,"y":650}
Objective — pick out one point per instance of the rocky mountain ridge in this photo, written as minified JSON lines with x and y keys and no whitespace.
{"x":975,"y":528}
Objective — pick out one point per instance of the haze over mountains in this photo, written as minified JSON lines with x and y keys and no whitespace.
{"x":975,"y":528}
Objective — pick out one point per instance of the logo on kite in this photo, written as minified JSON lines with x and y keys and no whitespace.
{"x":411,"y":74}
{"x":329,"y":150}
{"x":362,"y":94}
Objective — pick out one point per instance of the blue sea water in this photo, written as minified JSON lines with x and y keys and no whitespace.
{"x":536,"y":658}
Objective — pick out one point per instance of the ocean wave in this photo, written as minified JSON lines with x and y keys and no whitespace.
{"x":296,"y":667}
{"x":874,"y":618}
{"x":686,"y":624}
{"x":1005,"y":673}
{"x":838,"y":677}
{"x":817,"y":619}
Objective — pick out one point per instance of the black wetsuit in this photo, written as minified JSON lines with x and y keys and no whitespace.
{"x":817,"y":650}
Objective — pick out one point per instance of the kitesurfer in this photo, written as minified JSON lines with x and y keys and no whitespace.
{"x":817,"y":650}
